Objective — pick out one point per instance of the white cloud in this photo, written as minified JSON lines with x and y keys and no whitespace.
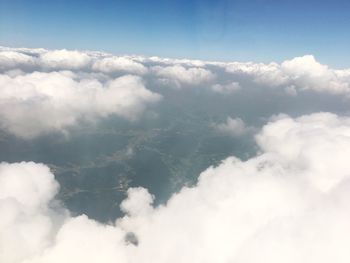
{"x":182,"y":75}
{"x":287,"y":204}
{"x":233,"y":127}
{"x":227,"y":88}
{"x":15,"y":60}
{"x":316,"y":144}
{"x":119,"y":64}
{"x":267,"y":74}
{"x":172,"y":61}
{"x":37,"y":103}
{"x":65,"y":59}
{"x":304,"y":73}
{"x":83,"y":240}
{"x":38,"y":85}
{"x":307,"y":73}
{"x":27,"y":223}
{"x":139,"y":204}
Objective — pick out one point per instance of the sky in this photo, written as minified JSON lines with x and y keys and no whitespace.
{"x":225,"y":30}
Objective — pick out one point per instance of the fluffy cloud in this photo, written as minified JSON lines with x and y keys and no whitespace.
{"x":65,"y":59}
{"x":304,"y":73}
{"x":119,"y":64}
{"x":307,"y":73}
{"x":181,"y":75}
{"x":172,"y":61}
{"x":297,"y":74}
{"x":27,"y":223}
{"x":15,"y":60}
{"x":39,"y":86}
{"x":233,"y":127}
{"x":315,"y":144}
{"x":287,"y":204}
{"x":267,"y":74}
{"x":36,"y":103}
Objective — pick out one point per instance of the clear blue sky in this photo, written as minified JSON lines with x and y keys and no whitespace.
{"x":257,"y":30}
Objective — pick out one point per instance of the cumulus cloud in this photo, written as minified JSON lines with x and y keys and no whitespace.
{"x":27,"y":222}
{"x":50,"y":90}
{"x":307,"y":73}
{"x":268,"y":74}
{"x":119,"y":64}
{"x":15,"y":60}
{"x":226,"y":88}
{"x":36,"y":103}
{"x":65,"y":59}
{"x":181,"y":75}
{"x":287,"y":204}
{"x":304,"y":73}
{"x":172,"y":61}
{"x":316,"y":144}
{"x":233,"y":127}
{"x":300,"y":73}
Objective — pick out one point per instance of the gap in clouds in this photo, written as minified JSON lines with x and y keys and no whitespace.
{"x":99,"y":152}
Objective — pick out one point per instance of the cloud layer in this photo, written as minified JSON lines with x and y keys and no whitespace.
{"x":38,"y":86}
{"x":41,"y":102}
{"x":287,"y":204}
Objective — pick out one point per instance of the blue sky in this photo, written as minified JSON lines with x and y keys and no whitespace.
{"x":257,"y":30}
